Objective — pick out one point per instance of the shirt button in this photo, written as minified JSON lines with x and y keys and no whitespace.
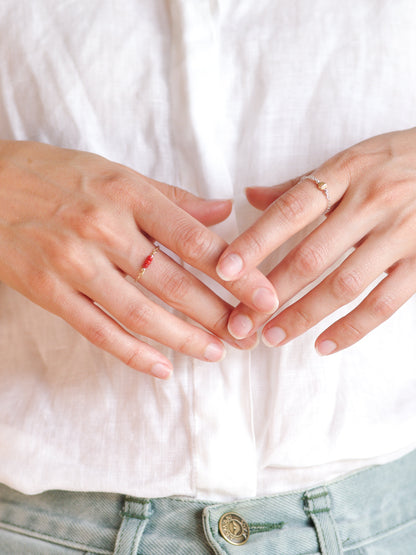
{"x":233,"y":528}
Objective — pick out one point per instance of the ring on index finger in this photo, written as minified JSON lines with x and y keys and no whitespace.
{"x":321,"y":186}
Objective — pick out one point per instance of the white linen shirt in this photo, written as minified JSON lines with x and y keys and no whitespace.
{"x":212,"y":96}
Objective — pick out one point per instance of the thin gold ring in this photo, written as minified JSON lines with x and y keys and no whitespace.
{"x":147,"y":261}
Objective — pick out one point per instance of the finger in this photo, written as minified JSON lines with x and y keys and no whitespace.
{"x":181,"y":290}
{"x":206,"y":211}
{"x":262,"y":197}
{"x":140,"y":315}
{"x":289,"y":213}
{"x":105,"y":333}
{"x":125,"y":249}
{"x":201,"y":248}
{"x":173,"y":284}
{"x":304,"y":264}
{"x":322,"y":248}
{"x":342,"y":286}
{"x":381,"y":303}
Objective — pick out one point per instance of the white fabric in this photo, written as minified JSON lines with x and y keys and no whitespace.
{"x":212,"y":96}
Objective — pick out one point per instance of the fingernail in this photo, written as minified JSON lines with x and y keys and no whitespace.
{"x":273,"y":336}
{"x":326,"y":347}
{"x":230,"y":267}
{"x":265,"y":300}
{"x":160,"y":370}
{"x":214,"y":352}
{"x":240,"y":326}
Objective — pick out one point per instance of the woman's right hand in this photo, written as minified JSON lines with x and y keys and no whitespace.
{"x":73,"y":225}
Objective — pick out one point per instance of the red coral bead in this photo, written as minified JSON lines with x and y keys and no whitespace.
{"x":147,"y":262}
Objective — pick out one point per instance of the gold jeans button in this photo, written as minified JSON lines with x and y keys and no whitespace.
{"x":233,"y":528}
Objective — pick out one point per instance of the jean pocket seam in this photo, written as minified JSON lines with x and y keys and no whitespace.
{"x":41,"y":536}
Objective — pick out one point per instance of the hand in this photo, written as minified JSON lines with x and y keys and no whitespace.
{"x":73,"y":225}
{"x":372,"y":188}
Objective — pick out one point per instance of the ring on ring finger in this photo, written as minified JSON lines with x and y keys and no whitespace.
{"x":321,"y":186}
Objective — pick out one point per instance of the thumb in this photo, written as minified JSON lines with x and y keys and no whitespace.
{"x":262,"y":197}
{"x":207,"y":211}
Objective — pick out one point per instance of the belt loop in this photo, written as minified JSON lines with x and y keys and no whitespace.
{"x":317,"y":505}
{"x":136,"y":512}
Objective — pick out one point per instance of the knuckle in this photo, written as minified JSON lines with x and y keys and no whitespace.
{"x":254,"y":243}
{"x":187,"y":344}
{"x":133,"y":359}
{"x":219,"y":327}
{"x":382,"y":307}
{"x":74,"y":263}
{"x":89,"y":219}
{"x":177,"y":195}
{"x":346,"y":285}
{"x":176,"y":286}
{"x":383,"y":195}
{"x":93,"y":222}
{"x":196,"y":243}
{"x":129,"y":190}
{"x":43,"y":287}
{"x":139,"y":317}
{"x":119,"y":187}
{"x":350,"y":333}
{"x":404,"y":188}
{"x":303,"y":319}
{"x":291,"y":206}
{"x":309,"y":260}
{"x":70,"y":260}
{"x":355,"y":159}
{"x":380,"y":194}
{"x":98,"y":335}
{"x":348,"y":159}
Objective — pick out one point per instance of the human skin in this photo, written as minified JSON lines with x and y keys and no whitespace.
{"x":73,"y":225}
{"x":372,"y":188}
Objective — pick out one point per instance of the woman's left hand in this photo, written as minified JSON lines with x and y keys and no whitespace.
{"x":372,"y":192}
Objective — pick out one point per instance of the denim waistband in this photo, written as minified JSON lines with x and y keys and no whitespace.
{"x":343,"y":516}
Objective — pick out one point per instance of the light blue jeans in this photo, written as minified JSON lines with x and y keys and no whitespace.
{"x":371,"y":512}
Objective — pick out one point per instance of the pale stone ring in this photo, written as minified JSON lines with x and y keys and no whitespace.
{"x":322,"y":186}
